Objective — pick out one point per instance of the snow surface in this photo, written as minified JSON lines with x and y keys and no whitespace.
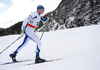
{"x":78,"y":49}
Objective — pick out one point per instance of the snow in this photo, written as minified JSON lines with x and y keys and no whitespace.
{"x":78,"y":49}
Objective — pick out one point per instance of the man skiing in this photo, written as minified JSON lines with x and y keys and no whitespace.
{"x":28,"y":27}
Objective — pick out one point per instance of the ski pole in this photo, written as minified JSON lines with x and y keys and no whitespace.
{"x":10,"y":45}
{"x":44,"y":29}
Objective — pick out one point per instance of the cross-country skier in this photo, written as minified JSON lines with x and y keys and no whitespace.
{"x":28,"y":27}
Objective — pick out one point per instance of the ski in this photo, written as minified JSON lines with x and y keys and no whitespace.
{"x":42,"y":62}
{"x":8,"y":63}
{"x":16,"y":62}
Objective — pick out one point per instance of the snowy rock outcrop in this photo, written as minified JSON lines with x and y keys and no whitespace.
{"x":74,"y":13}
{"x":69,"y":14}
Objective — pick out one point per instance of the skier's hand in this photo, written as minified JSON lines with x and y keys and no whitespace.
{"x":22,"y":34}
{"x":48,"y":18}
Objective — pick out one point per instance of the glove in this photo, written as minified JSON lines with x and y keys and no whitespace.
{"x":48,"y":18}
{"x":22,"y":34}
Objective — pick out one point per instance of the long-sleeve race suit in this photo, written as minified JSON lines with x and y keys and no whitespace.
{"x":29,"y":25}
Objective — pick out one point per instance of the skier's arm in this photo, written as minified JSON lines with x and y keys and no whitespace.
{"x":24,"y":24}
{"x":23,"y":27}
{"x":44,"y":20}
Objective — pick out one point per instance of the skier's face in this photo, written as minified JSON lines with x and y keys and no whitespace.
{"x":41,"y":11}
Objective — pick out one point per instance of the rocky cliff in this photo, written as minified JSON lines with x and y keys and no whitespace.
{"x":74,"y":13}
{"x":69,"y":14}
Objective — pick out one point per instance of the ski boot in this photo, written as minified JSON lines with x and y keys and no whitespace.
{"x":39,"y":60}
{"x":13,"y":56}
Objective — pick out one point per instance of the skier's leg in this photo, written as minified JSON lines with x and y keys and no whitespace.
{"x":38,"y":48}
{"x":13,"y":55}
{"x":37,"y":41}
{"x":25,"y":41}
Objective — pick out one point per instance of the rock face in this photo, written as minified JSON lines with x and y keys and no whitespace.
{"x":69,"y":14}
{"x":15,"y":29}
{"x":74,"y":13}
{"x":1,"y":29}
